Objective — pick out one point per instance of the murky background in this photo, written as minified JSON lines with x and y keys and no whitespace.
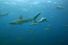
{"x":53,"y":32}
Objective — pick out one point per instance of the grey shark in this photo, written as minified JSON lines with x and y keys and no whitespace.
{"x":32,"y":20}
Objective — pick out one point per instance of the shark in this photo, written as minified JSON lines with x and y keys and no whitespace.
{"x":33,"y":20}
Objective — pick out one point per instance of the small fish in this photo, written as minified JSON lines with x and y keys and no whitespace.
{"x":5,"y":14}
{"x":66,"y":25}
{"x":30,"y":30}
{"x":46,"y":28}
{"x":21,"y":17}
{"x":60,"y":7}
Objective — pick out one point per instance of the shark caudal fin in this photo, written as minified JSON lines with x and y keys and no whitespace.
{"x":35,"y":17}
{"x":43,"y":20}
{"x":34,"y":20}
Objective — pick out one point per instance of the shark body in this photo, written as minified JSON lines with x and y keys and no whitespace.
{"x":33,"y":20}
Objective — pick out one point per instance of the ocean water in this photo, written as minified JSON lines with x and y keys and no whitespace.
{"x":53,"y":32}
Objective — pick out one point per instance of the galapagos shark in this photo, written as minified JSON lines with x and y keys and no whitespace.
{"x":32,"y":20}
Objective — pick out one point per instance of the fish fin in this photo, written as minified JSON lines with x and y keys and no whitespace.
{"x":35,"y":17}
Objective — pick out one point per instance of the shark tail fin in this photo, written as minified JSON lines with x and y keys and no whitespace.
{"x":35,"y":17}
{"x":43,"y":20}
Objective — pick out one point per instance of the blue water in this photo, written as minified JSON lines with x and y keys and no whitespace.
{"x":53,"y":32}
